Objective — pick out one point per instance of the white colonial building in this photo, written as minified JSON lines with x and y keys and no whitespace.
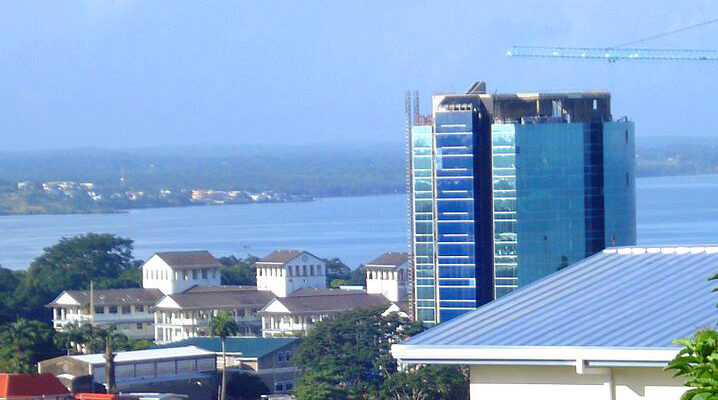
{"x":129,"y":310}
{"x":297,"y":313}
{"x":387,"y":285}
{"x":388,"y":275}
{"x":177,"y":271}
{"x":285,"y":271}
{"x":186,"y":314}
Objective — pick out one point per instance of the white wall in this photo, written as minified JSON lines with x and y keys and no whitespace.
{"x":156,"y":274}
{"x":564,"y":383}
{"x":305,"y":271}
{"x":387,"y":282}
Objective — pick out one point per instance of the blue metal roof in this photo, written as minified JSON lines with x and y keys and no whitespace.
{"x":622,"y":297}
{"x":250,"y":347}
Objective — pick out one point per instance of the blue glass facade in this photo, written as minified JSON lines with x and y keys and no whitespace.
{"x":500,"y":205}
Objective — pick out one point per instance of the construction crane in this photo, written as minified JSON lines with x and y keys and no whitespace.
{"x":620,"y":52}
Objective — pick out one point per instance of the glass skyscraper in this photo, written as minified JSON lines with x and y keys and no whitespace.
{"x":508,"y":188}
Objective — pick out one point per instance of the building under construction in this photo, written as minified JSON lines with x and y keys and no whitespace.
{"x":508,"y":188}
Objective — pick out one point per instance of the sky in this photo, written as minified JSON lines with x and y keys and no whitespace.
{"x":121,"y":73}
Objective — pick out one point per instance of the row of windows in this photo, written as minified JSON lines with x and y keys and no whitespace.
{"x":292,"y":270}
{"x":164,"y":274}
{"x":115,"y":309}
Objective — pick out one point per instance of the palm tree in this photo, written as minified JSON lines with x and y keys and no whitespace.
{"x":223,"y":325}
{"x":98,"y":339}
{"x":71,"y":338}
{"x":21,"y":335}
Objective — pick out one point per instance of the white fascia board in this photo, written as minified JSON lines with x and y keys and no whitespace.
{"x":66,"y":299}
{"x":167,"y":302}
{"x":549,"y":355}
{"x":275,"y":306}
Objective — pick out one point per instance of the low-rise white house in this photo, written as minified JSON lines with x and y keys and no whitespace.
{"x":603,"y":328}
{"x":128,"y":310}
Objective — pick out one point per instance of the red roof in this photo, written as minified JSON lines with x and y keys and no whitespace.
{"x":96,"y":396}
{"x":17,"y":385}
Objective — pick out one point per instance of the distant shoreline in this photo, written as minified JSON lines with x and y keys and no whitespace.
{"x":127,"y":210}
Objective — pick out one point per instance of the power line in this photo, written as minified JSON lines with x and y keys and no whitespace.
{"x":685,"y":28}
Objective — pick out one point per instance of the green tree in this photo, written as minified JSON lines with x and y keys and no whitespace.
{"x":23,"y":343}
{"x":238,"y":271}
{"x":336,"y":269}
{"x":71,"y":338}
{"x":71,"y":264}
{"x":339,"y":282}
{"x":697,"y":362}
{"x":348,"y":356}
{"x":427,"y":383}
{"x":244,"y":386}
{"x":9,"y":281}
{"x":223,"y":325}
{"x":358,"y":276}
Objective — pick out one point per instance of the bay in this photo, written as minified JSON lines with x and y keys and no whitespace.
{"x":670,"y":210}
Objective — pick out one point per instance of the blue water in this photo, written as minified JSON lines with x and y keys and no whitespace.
{"x":356,"y":229}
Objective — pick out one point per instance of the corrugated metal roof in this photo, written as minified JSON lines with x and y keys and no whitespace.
{"x":144,"y":355}
{"x":250,"y":347}
{"x":623,"y":297}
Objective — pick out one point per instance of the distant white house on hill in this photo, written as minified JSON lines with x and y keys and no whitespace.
{"x":603,"y":328}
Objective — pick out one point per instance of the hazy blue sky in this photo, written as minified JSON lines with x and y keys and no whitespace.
{"x":134,"y":73}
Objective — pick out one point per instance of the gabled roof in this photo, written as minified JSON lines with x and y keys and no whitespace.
{"x":221,"y":298}
{"x":632,"y":297}
{"x":283,"y":256}
{"x":189,"y":259}
{"x":250,"y":347}
{"x":389,"y":259}
{"x":115,"y":297}
{"x":319,"y":301}
{"x":30,"y":385}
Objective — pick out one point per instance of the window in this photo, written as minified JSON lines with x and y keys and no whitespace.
{"x":113,"y":309}
{"x":280,"y":356}
{"x":204,"y":273}
{"x":194,"y":274}
{"x":140,"y":308}
{"x":185,"y":276}
{"x":139,"y":325}
{"x":214,"y":273}
{"x":288,"y":386}
{"x":126,"y":309}
{"x":278,"y":386}
{"x":288,"y":355}
{"x":99,"y":310}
